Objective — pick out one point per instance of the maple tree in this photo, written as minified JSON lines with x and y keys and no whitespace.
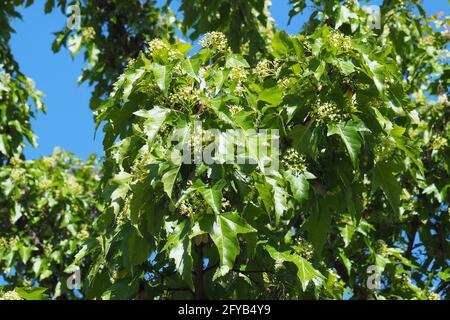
{"x":360,"y":115}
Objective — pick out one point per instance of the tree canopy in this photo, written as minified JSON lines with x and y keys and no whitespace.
{"x":357,"y":118}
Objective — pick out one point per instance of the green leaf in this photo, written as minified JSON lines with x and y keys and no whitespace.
{"x":346,"y":261}
{"x":346,"y":66}
{"x":17,"y":213}
{"x":299,"y":186}
{"x":33,"y":293}
{"x":138,"y":248}
{"x":122,"y":183}
{"x":74,"y":44}
{"x":3,"y":144}
{"x":432,"y":189}
{"x":265,"y":192}
{"x":131,"y":76}
{"x":139,"y":204}
{"x":274,"y":96}
{"x":183,"y":260}
{"x":376,"y":72}
{"x":318,"y":68}
{"x":49,"y":6}
{"x":37,"y":266}
{"x":318,"y":225}
{"x":411,"y":152}
{"x":219,"y":79}
{"x":25,"y":252}
{"x":169,"y":178}
{"x":223,"y":230}
{"x":279,"y":198}
{"x":192,"y":66}
{"x":154,"y":120}
{"x":305,"y":140}
{"x":305,"y":270}
{"x":212,"y":196}
{"x":349,"y":133}
{"x":383,"y":177}
{"x":163,"y":76}
{"x":344,"y":15}
{"x":236,"y":60}
{"x":179,"y":244}
{"x":281,"y":43}
{"x":245,"y":119}
{"x":347,"y":233}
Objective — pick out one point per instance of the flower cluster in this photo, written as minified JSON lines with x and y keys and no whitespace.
{"x":402,"y":281}
{"x":4,"y":243}
{"x":197,"y":142}
{"x":49,"y":161}
{"x":9,"y":244}
{"x":159,"y":47}
{"x":89,"y":33}
{"x":185,"y":209}
{"x":235,"y":109}
{"x":351,"y":104}
{"x":178,"y":70}
{"x":130,"y":63}
{"x":124,"y":214}
{"x":11,"y":295}
{"x":279,"y":265}
{"x":434,"y":296}
{"x":294,"y":162}
{"x":384,"y":149}
{"x":140,"y":166}
{"x":165,"y":131}
{"x":156,"y":45}
{"x":303,"y":248}
{"x":381,"y":247}
{"x":193,"y":206}
{"x":45,"y":184}
{"x":352,"y":3}
{"x":439,"y":143}
{"x":427,"y":41}
{"x":326,"y":112}
{"x":215,"y":41}
{"x":442,"y":97}
{"x":5,"y":78}
{"x":225,"y":204}
{"x":185,"y":96}
{"x":245,"y":48}
{"x":266,"y":68}
{"x":48,"y":249}
{"x":284,"y":83}
{"x":73,"y":186}
{"x":83,"y":235}
{"x":339,"y":41}
{"x":17,"y":174}
{"x":238,"y":75}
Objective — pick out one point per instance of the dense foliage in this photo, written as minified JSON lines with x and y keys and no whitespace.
{"x":361,"y":117}
{"x":46,"y":210}
{"x":16,"y":93}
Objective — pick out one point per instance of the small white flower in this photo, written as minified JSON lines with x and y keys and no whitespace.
{"x":214,"y":41}
{"x":235,"y":109}
{"x":11,"y":295}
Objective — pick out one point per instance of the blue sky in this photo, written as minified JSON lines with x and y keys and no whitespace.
{"x":69,"y":123}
